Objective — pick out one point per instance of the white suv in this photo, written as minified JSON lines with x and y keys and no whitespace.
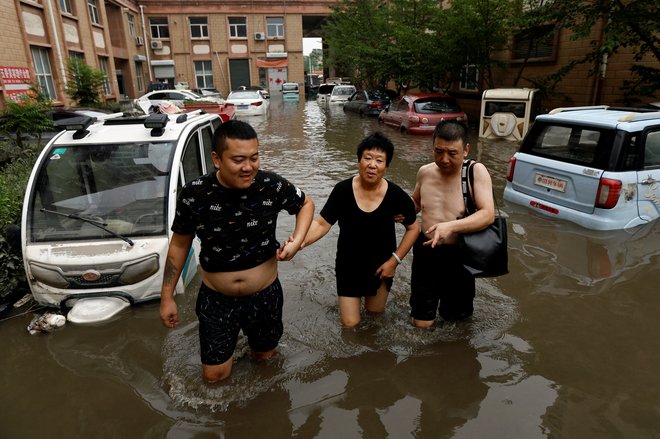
{"x":598,"y":167}
{"x":341,"y":93}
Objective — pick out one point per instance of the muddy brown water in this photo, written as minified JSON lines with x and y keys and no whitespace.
{"x":565,"y":346}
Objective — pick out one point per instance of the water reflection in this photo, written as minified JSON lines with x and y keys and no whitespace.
{"x":563,"y":258}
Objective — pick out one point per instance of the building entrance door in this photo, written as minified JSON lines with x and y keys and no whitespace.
{"x":239,"y":72}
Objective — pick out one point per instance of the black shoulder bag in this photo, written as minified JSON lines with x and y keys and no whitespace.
{"x":484,"y":252}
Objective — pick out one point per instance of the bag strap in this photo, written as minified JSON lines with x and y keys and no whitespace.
{"x":467,"y":182}
{"x":467,"y":178}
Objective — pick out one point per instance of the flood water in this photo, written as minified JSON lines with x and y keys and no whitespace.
{"x":565,"y":346}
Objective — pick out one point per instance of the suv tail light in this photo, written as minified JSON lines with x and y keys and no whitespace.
{"x":510,"y":168}
{"x":608,"y":193}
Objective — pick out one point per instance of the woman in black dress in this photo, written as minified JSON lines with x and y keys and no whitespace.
{"x":365,"y":207}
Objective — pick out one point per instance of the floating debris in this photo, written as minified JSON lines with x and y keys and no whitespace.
{"x":23,"y":301}
{"x":47,"y":322}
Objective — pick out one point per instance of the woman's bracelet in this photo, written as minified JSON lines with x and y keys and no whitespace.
{"x":398,"y":259}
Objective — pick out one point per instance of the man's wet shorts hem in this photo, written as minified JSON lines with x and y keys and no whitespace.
{"x":440,"y":284}
{"x":222,"y":317}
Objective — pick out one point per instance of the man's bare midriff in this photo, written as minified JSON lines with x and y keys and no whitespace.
{"x":244,"y":282}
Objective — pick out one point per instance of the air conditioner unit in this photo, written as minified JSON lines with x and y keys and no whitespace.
{"x":259,"y":36}
{"x":156,"y":44}
{"x":139,"y":41}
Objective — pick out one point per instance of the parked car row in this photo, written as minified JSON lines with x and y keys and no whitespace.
{"x":246,"y":101}
{"x":414,"y":113}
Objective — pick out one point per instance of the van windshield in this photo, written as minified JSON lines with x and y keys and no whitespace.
{"x":121,"y":186}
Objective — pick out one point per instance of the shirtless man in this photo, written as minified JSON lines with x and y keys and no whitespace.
{"x":439,"y":282}
{"x":234,"y":212}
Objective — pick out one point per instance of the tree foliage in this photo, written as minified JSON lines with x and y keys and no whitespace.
{"x":85,"y":83}
{"x":630,"y":24}
{"x":29,"y":118}
{"x":418,"y":43}
{"x":415,"y":43}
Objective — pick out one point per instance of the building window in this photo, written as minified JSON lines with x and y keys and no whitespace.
{"x":77,"y":56}
{"x":199,"y":27}
{"x":237,"y":27}
{"x":203,"y":74}
{"x":275,"y":27}
{"x":103,"y":67}
{"x":139,"y":76}
{"x":159,"y":27}
{"x":93,"y":12}
{"x":537,"y":44}
{"x":469,"y":78}
{"x":43,"y":72}
{"x":131,"y":24}
{"x":65,"y":7}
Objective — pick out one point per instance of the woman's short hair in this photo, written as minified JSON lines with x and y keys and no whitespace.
{"x":378,"y":142}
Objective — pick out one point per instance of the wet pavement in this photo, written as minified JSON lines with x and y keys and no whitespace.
{"x":564,"y":346}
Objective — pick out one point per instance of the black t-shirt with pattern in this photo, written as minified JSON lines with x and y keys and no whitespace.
{"x":236,"y":226}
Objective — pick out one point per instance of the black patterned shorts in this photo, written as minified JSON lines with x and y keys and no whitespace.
{"x":221,"y":318}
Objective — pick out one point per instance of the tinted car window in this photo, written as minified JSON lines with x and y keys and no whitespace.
{"x":326,"y":89}
{"x":517,"y":108}
{"x":377,"y":95}
{"x":652,"y":150}
{"x":578,"y":145}
{"x":436,"y":105}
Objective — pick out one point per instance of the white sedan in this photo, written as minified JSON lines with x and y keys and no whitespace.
{"x":176,"y":97}
{"x":248,"y":102}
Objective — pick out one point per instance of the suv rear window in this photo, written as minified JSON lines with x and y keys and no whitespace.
{"x":573,"y":144}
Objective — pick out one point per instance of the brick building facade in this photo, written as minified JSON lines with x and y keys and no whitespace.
{"x":203,"y":44}
{"x":226,"y":44}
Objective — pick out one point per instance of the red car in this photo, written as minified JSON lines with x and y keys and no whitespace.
{"x":419,"y":113}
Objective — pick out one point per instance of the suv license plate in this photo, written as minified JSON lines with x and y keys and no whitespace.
{"x":550,"y":182}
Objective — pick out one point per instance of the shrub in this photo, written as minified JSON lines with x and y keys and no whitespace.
{"x":85,"y":83}
{"x":13,"y":181}
{"x":30,"y":117}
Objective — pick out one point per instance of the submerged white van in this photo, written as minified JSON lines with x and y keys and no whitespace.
{"x":98,"y":208}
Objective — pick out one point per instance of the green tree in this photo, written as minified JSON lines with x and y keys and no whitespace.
{"x":630,"y":24}
{"x":416,"y":43}
{"x":356,"y":34}
{"x":471,"y":32}
{"x":30,"y":117}
{"x":85,"y":83}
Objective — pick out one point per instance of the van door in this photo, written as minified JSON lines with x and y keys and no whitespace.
{"x":196,"y":158}
{"x":648,"y":179}
{"x":194,"y":162}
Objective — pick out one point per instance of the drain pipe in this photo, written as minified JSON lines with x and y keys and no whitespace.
{"x":58,"y":47}
{"x":146,"y":46}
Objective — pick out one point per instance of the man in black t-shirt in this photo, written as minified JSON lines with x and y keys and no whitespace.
{"x":234,"y":212}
